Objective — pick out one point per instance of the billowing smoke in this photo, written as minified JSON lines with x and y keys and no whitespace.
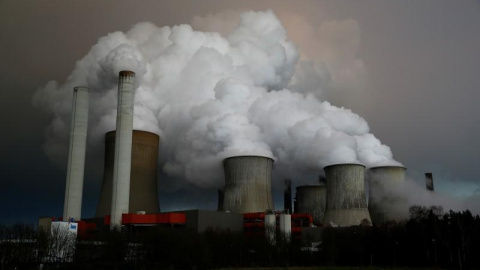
{"x":210,"y":96}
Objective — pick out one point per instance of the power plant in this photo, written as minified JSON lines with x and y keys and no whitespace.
{"x":129,"y":195}
{"x":346,"y":202}
{"x":248,"y":184}
{"x":143,"y":174}
{"x":382,"y":180}
{"x":312,"y":199}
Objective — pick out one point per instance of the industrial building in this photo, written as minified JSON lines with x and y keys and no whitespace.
{"x":203,"y":220}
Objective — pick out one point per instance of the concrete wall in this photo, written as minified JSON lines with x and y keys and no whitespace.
{"x":202,"y":220}
{"x":143,"y":174}
{"x":248,"y":184}
{"x":76,"y":154}
{"x":381,"y":181}
{"x":346,"y":202}
{"x":312,"y":200}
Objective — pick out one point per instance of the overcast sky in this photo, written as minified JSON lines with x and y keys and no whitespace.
{"x":412,"y":73}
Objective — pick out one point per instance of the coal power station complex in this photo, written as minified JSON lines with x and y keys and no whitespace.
{"x":129,"y":197}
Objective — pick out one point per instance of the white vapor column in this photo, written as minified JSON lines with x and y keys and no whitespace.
{"x":123,"y":147}
{"x":76,"y":154}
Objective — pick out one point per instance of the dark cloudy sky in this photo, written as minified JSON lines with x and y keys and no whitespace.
{"x":418,"y":85}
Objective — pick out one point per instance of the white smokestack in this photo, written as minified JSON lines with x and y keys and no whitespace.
{"x":270,"y":227}
{"x":123,"y":147}
{"x":286,"y":226}
{"x":76,"y":154}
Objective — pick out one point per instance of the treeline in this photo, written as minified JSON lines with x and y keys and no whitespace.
{"x":429,"y":238}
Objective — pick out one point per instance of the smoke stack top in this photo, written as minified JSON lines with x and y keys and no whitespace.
{"x":429,"y":181}
{"x":127,"y":73}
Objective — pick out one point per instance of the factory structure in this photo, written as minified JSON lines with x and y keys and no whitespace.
{"x":129,"y":195}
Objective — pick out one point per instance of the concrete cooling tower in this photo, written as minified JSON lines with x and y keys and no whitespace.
{"x":312,"y":200}
{"x":143,"y":174}
{"x":346,"y":202}
{"x":382,"y":182}
{"x":248,"y":184}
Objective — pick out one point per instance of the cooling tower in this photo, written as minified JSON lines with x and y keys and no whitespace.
{"x":123,"y":147}
{"x":346,"y":203}
{"x":76,"y":154}
{"x":143,"y":174}
{"x":287,"y":196}
{"x":429,"y":181}
{"x":382,"y":182}
{"x":312,"y":200}
{"x":248,"y":184}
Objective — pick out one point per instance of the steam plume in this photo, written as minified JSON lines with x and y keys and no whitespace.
{"x":210,"y":96}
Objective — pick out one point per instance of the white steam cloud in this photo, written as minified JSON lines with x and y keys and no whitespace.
{"x":210,"y":96}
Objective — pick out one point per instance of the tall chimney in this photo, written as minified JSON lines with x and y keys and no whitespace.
{"x":76,"y":154}
{"x":123,"y":147}
{"x":429,"y":181}
{"x":287,"y":196}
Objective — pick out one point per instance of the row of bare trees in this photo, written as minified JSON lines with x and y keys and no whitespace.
{"x":429,"y":238}
{"x":22,"y":245}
